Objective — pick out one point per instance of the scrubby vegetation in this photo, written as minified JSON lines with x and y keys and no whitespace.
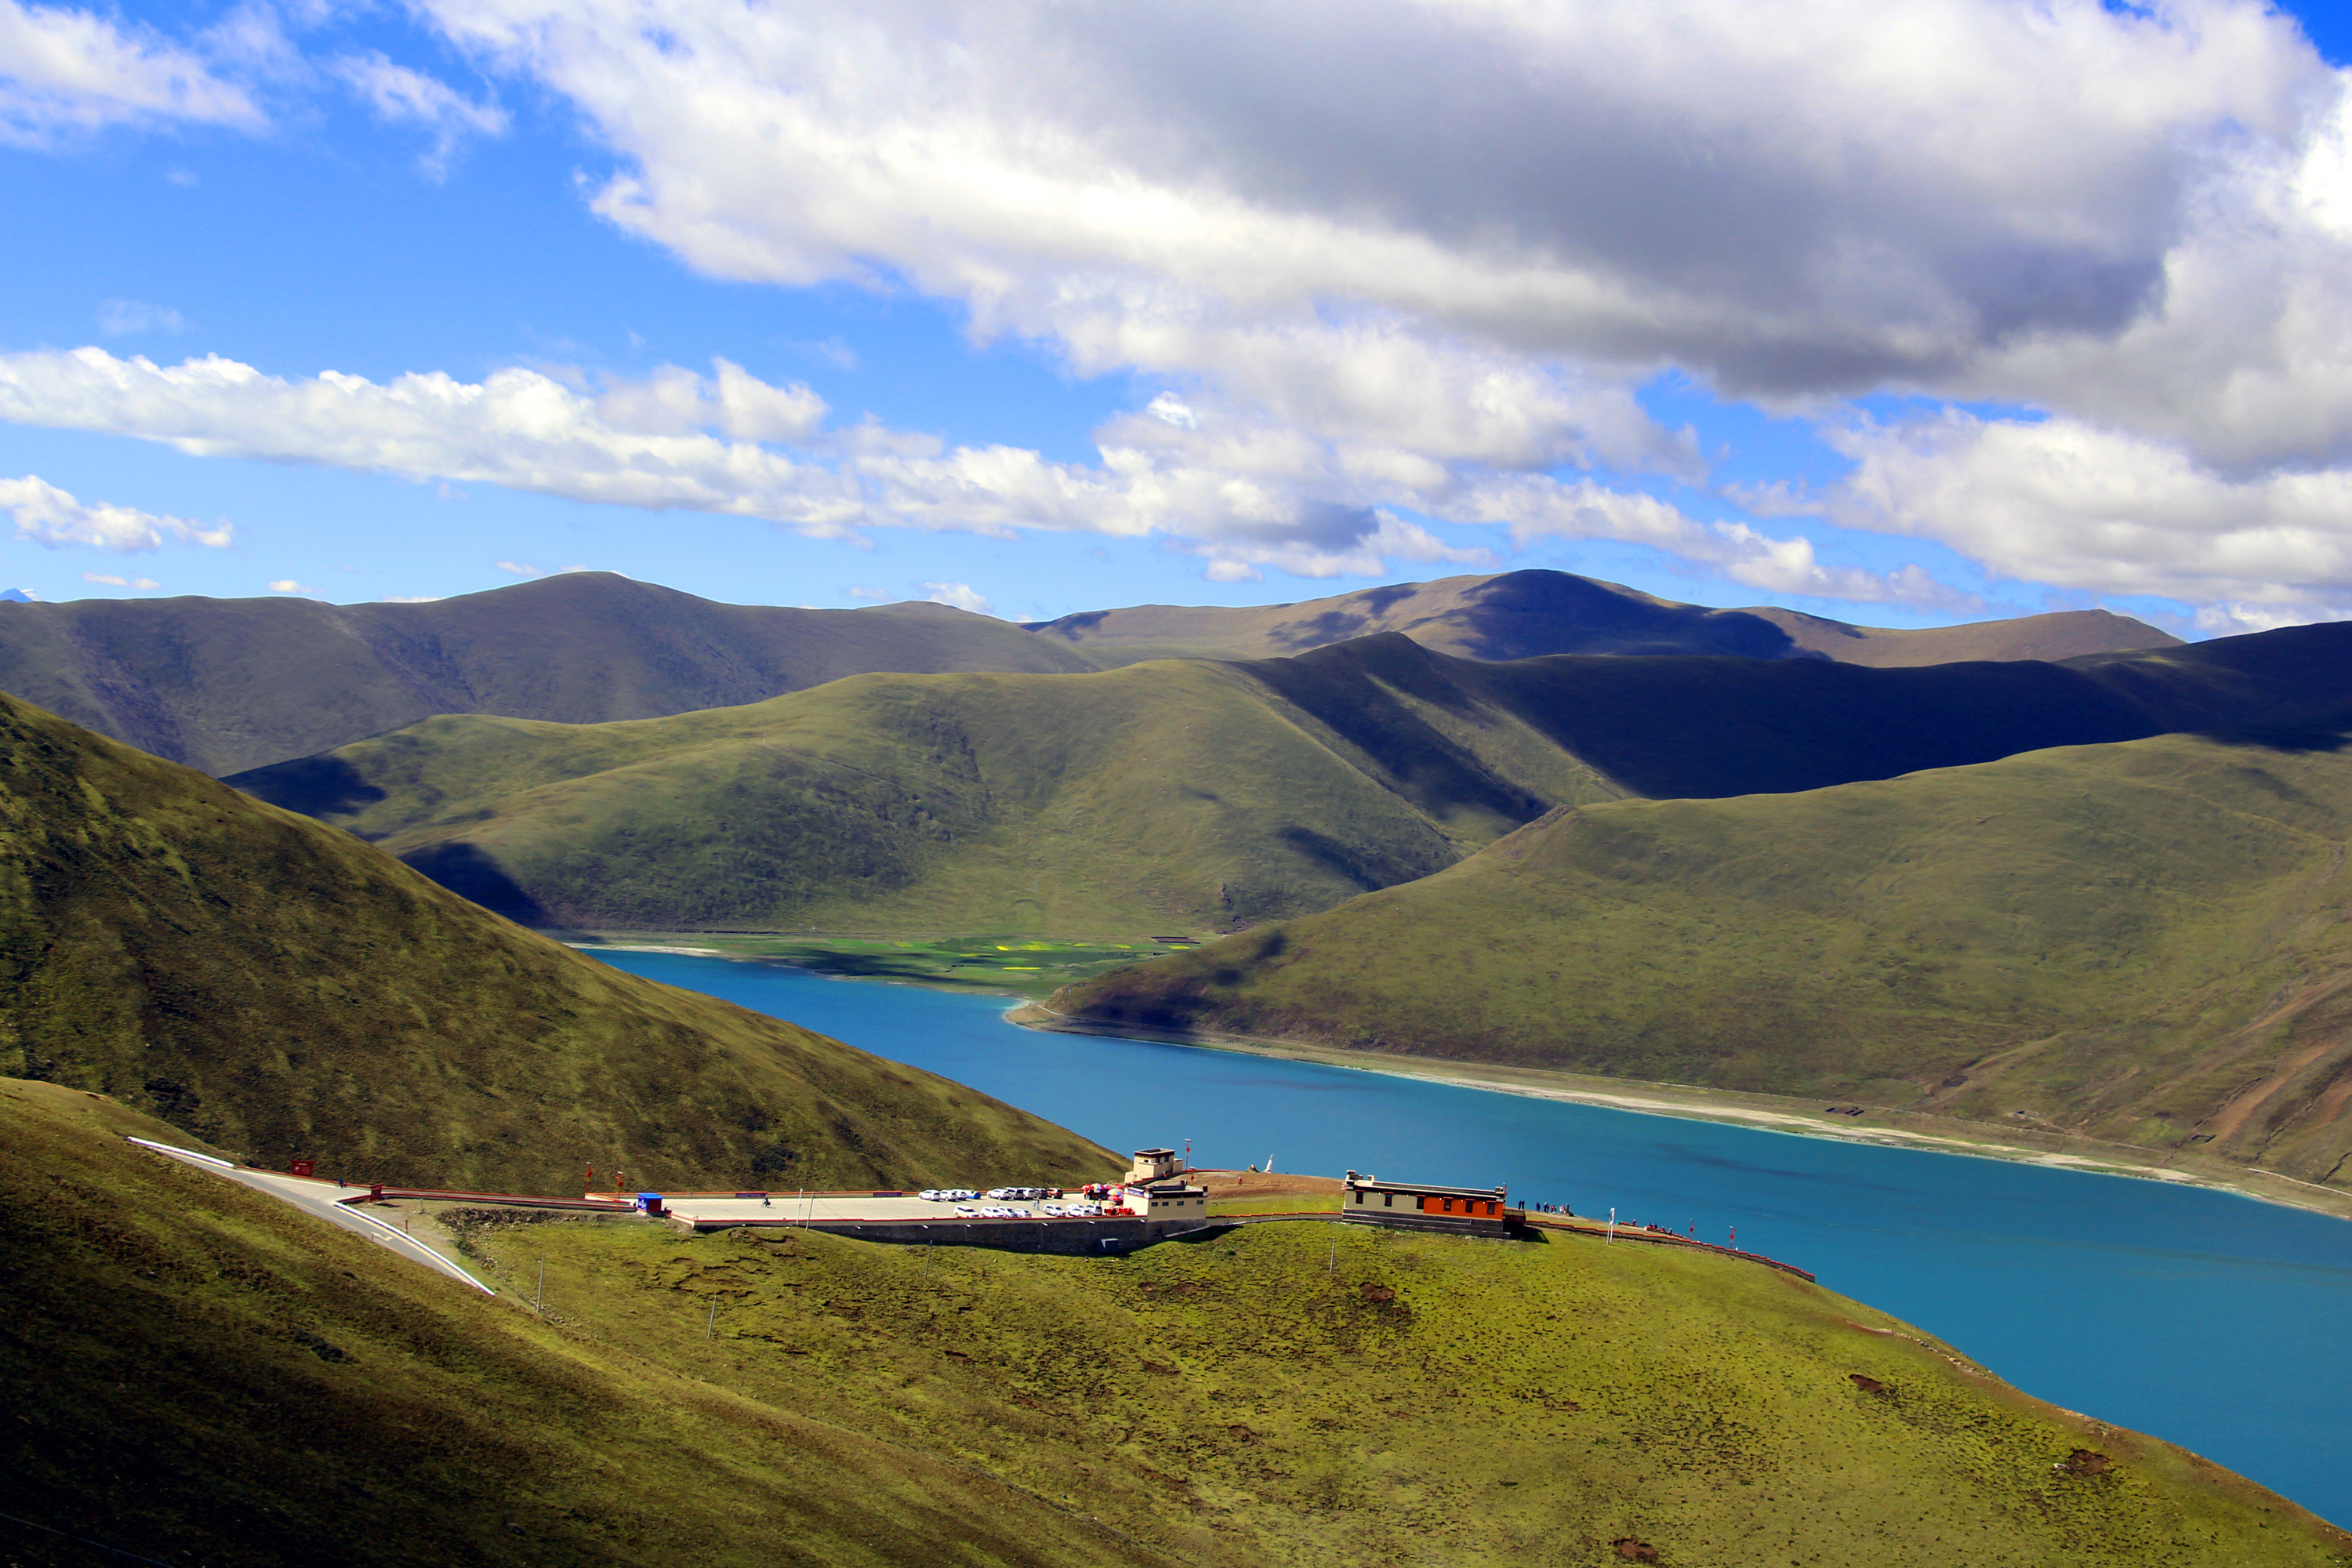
{"x":262,"y":1388}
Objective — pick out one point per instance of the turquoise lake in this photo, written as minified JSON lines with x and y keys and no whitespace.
{"x":2213,"y":1320}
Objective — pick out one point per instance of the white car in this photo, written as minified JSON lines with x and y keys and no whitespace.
{"x":967,"y":1209}
{"x":947,"y":1194}
{"x":1084,"y":1210}
{"x":1057,"y":1210}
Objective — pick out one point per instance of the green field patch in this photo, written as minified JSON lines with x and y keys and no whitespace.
{"x":1024,"y":967}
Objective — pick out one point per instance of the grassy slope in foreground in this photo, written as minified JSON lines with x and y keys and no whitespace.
{"x":2143,"y":942}
{"x":1188,"y":795}
{"x":286,"y":991}
{"x":260,"y":1389}
{"x":260,"y":1385}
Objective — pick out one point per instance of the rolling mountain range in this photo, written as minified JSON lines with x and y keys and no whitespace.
{"x":225,"y":684}
{"x":1527,"y":615}
{"x":285,"y":991}
{"x":1192,"y":793}
{"x":2142,"y":943}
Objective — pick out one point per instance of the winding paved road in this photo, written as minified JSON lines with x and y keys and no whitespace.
{"x":315,"y":1196}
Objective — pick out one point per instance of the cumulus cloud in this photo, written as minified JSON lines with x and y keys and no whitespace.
{"x":1540,"y":508}
{"x":400,"y":96}
{"x":1790,"y":195}
{"x":289,"y":585}
{"x":1404,"y":251}
{"x":112,"y":581}
{"x":45,"y":514}
{"x":1249,"y":495}
{"x":963,"y":595}
{"x":65,"y":71}
{"x":2063,"y":502}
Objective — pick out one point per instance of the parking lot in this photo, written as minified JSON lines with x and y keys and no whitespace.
{"x":787,"y":1207}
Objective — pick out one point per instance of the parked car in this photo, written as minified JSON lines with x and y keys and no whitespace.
{"x":967,"y":1209}
{"x":1057,"y":1210}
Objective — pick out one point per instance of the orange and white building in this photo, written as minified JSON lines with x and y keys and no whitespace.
{"x":1417,"y":1205}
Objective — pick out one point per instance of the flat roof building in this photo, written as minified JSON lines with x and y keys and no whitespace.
{"x":1153,"y":1165}
{"x":1174,"y":1198}
{"x":1418,"y":1205}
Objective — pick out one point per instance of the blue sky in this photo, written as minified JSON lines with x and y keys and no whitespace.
{"x":1901,"y":314}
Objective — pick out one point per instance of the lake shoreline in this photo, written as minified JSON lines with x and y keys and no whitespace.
{"x":1886,"y":1127}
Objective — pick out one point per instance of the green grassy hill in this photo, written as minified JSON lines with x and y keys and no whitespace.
{"x":228,"y":684}
{"x":1191,"y":795}
{"x":1527,"y":615}
{"x":263,"y":1389}
{"x":285,"y":991}
{"x":2143,"y":942}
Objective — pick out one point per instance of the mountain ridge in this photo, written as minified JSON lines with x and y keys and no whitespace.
{"x":1195,"y":794}
{"x":1537,"y":611}
{"x":228,"y":684}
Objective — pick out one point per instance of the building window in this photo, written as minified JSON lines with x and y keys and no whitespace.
{"x":1388,"y":1200}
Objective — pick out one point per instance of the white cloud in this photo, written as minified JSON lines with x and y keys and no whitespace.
{"x":289,"y":585}
{"x":65,"y":71}
{"x":400,"y":96}
{"x":112,"y":581}
{"x":875,"y":595}
{"x":45,"y":514}
{"x":520,"y":568}
{"x":1259,"y":495}
{"x":119,"y":318}
{"x":1538,"y":508}
{"x":1790,"y":195}
{"x":410,"y":599}
{"x":1400,"y":253}
{"x":963,"y":595}
{"x":2234,"y":620}
{"x":2066,"y":502}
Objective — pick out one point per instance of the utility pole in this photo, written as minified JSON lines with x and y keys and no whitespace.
{"x":1613,"y":1222}
{"x":538,"y":1302}
{"x":711,"y":1327}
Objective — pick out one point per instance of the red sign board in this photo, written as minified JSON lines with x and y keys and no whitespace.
{"x":301,"y":1167}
